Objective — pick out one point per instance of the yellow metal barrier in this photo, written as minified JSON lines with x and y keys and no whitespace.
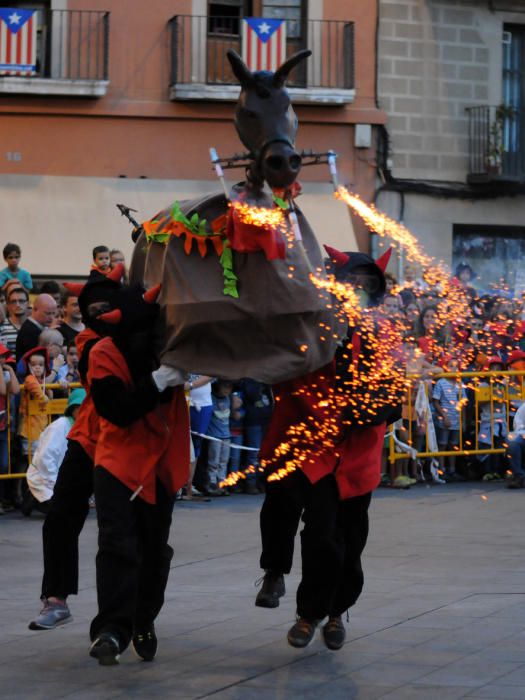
{"x":499,"y":390}
{"x":33,"y":407}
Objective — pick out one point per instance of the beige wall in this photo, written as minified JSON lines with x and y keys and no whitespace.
{"x":58,"y":220}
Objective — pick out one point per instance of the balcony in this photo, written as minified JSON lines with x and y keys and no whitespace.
{"x":72,"y":49}
{"x":496,"y":144}
{"x":201,"y":71}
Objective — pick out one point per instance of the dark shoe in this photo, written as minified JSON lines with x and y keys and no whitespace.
{"x":271,"y":590}
{"x":301,"y":634}
{"x":516,"y":482}
{"x":145,"y":643}
{"x":106,"y":649}
{"x":52,"y":615}
{"x":334,"y":633}
{"x":251,"y":490}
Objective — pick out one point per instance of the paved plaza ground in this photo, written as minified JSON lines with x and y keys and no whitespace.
{"x":442,"y":615}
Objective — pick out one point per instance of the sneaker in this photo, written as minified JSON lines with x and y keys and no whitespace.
{"x":251,"y":490}
{"x":106,"y":649}
{"x":401,"y":482}
{"x":145,"y":642}
{"x":334,"y":633}
{"x":272,"y":589}
{"x":52,"y":615}
{"x":301,"y":634}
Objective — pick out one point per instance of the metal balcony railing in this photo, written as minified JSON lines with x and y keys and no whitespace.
{"x":199,"y":45}
{"x":496,"y":143}
{"x":73,"y":44}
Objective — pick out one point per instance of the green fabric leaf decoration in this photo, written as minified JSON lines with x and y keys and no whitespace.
{"x":228,"y":275}
{"x":195,"y":225}
{"x":283,"y":204}
{"x":159,"y":237}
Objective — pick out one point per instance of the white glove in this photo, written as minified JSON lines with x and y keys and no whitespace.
{"x":166,"y":376}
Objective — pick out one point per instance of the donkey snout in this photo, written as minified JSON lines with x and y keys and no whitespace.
{"x":281,"y":165}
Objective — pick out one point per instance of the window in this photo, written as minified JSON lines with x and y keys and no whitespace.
{"x":514,"y":96}
{"x":495,"y":253}
{"x":290,"y":10}
{"x":224,"y":16}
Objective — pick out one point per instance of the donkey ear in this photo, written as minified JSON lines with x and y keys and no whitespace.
{"x":282,"y":72}
{"x":239,"y":67}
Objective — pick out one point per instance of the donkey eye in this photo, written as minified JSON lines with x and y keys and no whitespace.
{"x":249,"y":113}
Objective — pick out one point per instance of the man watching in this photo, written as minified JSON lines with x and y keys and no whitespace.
{"x":72,"y":321}
{"x":17,"y":303}
{"x":42,"y":316}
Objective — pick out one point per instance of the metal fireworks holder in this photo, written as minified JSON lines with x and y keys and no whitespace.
{"x":244,"y":160}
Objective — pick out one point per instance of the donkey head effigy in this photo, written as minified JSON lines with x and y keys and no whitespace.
{"x":266,"y":122}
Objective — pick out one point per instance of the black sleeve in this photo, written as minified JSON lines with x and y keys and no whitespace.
{"x":120,"y":405}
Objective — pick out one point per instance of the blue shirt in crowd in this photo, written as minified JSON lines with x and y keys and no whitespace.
{"x":446,"y":391}
{"x":22,"y":276}
{"x":219,"y":426}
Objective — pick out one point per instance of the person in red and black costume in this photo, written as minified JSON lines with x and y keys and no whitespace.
{"x":74,"y":485}
{"x":141,"y":460}
{"x":338,"y":471}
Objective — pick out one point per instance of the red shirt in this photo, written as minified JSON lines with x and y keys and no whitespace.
{"x":355,"y":462}
{"x":155,"y":445}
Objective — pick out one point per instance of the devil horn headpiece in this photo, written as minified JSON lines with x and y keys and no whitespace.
{"x":116,"y":274}
{"x":150,"y":296}
{"x":113,"y":317}
{"x":75,"y":287}
{"x":383,"y":260}
{"x":338,"y":258}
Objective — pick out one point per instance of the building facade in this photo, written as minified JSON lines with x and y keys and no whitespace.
{"x":123,"y":106}
{"x":451,"y":79}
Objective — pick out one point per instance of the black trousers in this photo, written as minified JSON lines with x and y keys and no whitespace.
{"x":64,"y":522}
{"x":332,"y":541}
{"x":133,"y":559}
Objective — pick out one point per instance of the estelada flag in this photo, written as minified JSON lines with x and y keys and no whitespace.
{"x":263,"y":43}
{"x":17,"y":41}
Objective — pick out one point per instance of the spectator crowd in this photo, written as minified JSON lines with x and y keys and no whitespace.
{"x":483,"y":331}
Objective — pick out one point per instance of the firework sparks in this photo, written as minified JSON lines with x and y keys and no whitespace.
{"x":261,"y":216}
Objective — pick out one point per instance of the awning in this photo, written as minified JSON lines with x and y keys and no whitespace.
{"x":58,"y":220}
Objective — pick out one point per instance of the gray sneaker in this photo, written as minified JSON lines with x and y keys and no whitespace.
{"x":52,"y":615}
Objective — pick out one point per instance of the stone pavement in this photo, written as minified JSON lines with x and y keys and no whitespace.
{"x":442,"y":616}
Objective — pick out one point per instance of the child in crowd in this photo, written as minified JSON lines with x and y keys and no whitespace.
{"x":12,"y":254}
{"x":236,"y":433}
{"x":45,"y":463}
{"x":493,"y":425}
{"x":101,"y":260}
{"x":8,"y":386}
{"x":448,"y":396}
{"x":116,"y":257}
{"x":53,"y":340}
{"x":72,"y":373}
{"x":36,"y":365}
{"x":219,"y":428}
